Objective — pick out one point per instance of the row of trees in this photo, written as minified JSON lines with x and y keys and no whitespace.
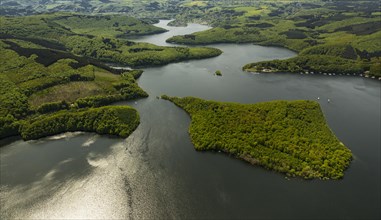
{"x":287,"y":136}
{"x":113,"y":120}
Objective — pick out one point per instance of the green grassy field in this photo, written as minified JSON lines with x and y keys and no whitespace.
{"x":291,"y":137}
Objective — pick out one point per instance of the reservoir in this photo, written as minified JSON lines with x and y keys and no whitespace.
{"x":156,"y":173}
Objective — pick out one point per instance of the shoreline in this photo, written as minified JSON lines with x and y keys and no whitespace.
{"x":321,"y":74}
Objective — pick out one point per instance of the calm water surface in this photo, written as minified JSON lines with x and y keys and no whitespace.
{"x":157,"y":174}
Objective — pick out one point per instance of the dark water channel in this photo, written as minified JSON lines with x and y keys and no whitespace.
{"x":157,"y":174}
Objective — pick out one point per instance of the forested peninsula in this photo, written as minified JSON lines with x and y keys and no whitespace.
{"x":290,"y":137}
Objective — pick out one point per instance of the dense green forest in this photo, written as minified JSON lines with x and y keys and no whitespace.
{"x":345,"y":31}
{"x":291,"y":137}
